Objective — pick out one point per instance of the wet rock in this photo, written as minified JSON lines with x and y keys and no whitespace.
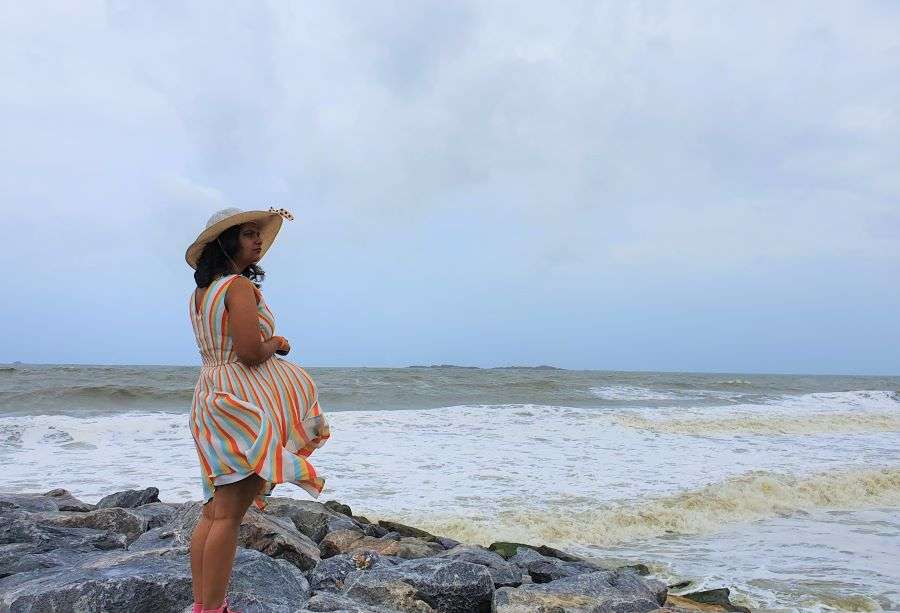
{"x":65,"y":501}
{"x":544,"y":569}
{"x":277,"y":537}
{"x":156,"y":580}
{"x":620,"y":591}
{"x":313,"y":519}
{"x":502,"y":572}
{"x":156,"y":513}
{"x":336,"y":506}
{"x":680,"y":604}
{"x":405,"y":530}
{"x":339,"y":604}
{"x":347,"y":541}
{"x":54,"y":500}
{"x":719,"y":596}
{"x":128,"y":499}
{"x":443,"y":585}
{"x":447,"y":543}
{"x":43,"y":534}
{"x":329,"y":574}
{"x":115,"y":519}
{"x":508,"y":549}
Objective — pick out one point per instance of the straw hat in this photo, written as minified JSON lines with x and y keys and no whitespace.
{"x":269,"y":223}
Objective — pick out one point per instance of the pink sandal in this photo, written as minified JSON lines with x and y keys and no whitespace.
{"x":223,"y":609}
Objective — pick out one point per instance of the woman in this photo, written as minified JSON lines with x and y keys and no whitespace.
{"x":255,"y":417}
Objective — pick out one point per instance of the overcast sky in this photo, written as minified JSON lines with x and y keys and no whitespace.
{"x":709,"y":186}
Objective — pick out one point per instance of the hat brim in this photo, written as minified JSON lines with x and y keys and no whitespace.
{"x":269,"y":225}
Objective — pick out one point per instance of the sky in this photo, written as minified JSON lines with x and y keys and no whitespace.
{"x":679,"y":186}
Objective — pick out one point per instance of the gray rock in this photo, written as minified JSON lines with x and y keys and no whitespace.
{"x":313,"y":519}
{"x":391,"y":536}
{"x":619,"y":591}
{"x":336,"y":506}
{"x":718,"y":596}
{"x":405,"y":530}
{"x":156,"y":513}
{"x":277,"y":537}
{"x":153,"y":580}
{"x":338,"y":603}
{"x":508,"y":549}
{"x":40,"y":531}
{"x":502,"y":572}
{"x":129,"y":499}
{"x":348,"y":541}
{"x":412,"y":548}
{"x":544,"y":569}
{"x":54,"y":500}
{"x":443,"y":585}
{"x":447,"y":543}
{"x":114,"y":519}
{"x":65,"y":501}
{"x":329,"y":574}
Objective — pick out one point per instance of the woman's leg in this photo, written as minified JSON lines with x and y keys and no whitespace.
{"x":198,"y":542}
{"x":231,"y":503}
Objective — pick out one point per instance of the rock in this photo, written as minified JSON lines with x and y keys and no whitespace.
{"x":412,"y":548}
{"x":129,"y":499}
{"x":313,"y":519}
{"x":641,"y":569}
{"x":156,"y":580}
{"x":544,"y":569}
{"x":620,"y":591}
{"x":347,"y":541}
{"x":680,"y":604}
{"x":362,"y":519}
{"x":680,"y":585}
{"x":339,"y":604}
{"x":43,"y":535}
{"x":391,"y":536}
{"x":277,"y":537}
{"x":156,"y":513}
{"x":508,"y":549}
{"x":444,"y":585}
{"x":65,"y":501}
{"x":502,"y":572}
{"x":114,"y":519}
{"x":407,"y":530}
{"x":336,"y":506}
{"x":447,"y":543}
{"x":54,"y":500}
{"x":719,"y":596}
{"x":329,"y":574}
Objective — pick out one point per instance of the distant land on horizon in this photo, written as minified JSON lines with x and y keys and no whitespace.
{"x":541,"y":367}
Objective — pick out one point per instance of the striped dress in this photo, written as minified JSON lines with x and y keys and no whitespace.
{"x":262,"y":419}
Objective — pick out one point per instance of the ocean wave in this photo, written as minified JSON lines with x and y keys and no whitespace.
{"x":628,"y":392}
{"x":752,"y":496}
{"x":93,"y":395}
{"x":768,"y":424}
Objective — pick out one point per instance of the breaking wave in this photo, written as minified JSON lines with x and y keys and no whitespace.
{"x":752,"y":496}
{"x":769,"y":424}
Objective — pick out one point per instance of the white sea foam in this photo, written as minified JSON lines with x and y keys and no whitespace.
{"x":769,"y":424}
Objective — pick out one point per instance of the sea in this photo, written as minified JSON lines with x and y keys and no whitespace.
{"x":784,"y":488}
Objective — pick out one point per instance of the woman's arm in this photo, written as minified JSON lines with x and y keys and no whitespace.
{"x":243,"y":325}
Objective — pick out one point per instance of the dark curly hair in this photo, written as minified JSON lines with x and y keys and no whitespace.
{"x":214,"y":263}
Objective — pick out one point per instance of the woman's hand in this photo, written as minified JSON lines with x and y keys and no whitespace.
{"x":284,"y":346}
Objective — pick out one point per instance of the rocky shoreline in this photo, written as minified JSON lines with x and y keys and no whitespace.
{"x":129,"y":552}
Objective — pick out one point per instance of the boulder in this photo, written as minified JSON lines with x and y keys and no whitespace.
{"x":277,"y":537}
{"x":336,"y":506}
{"x":445,"y":585}
{"x":502,"y":572}
{"x":42,"y":534}
{"x":719,"y":596}
{"x":65,"y":501}
{"x":348,"y":541}
{"x":128,"y":499}
{"x":153,"y":580}
{"x":313,"y":519}
{"x":508,"y":549}
{"x":544,"y":569}
{"x":114,"y":519}
{"x":54,"y":500}
{"x":404,"y":530}
{"x":620,"y":591}
{"x":156,"y":513}
{"x":339,"y":604}
{"x":329,"y":574}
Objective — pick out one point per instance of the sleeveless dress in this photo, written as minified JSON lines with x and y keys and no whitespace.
{"x":262,"y":419}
